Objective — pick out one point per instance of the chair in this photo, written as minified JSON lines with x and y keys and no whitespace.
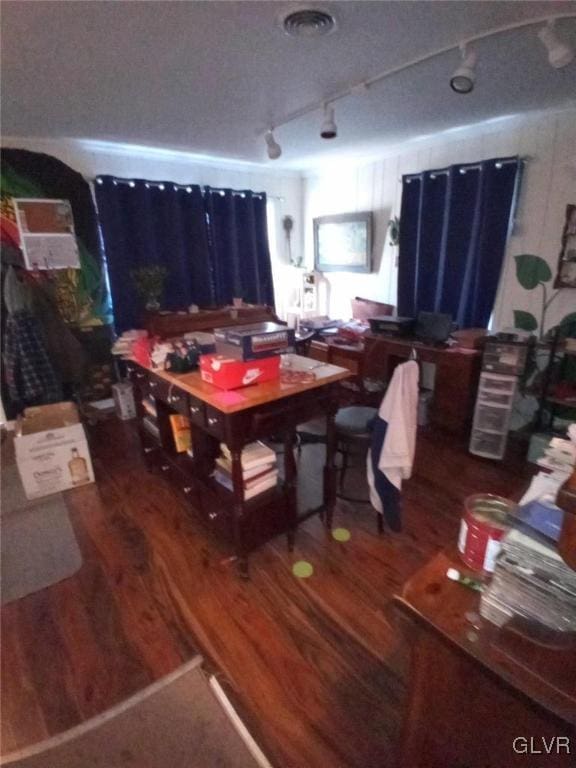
{"x":364,"y":309}
{"x":353,"y":430}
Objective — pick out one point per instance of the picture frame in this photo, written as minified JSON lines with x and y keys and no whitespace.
{"x":343,"y":242}
{"x":47,"y":236}
{"x":566,"y":275}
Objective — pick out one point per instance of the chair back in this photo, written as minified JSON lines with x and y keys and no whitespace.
{"x":364,"y":309}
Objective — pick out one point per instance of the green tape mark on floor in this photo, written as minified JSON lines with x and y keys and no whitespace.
{"x":302,"y":569}
{"x":341,"y":534}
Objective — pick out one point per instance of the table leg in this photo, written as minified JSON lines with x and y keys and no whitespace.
{"x":330,"y":470}
{"x":290,"y":475}
{"x":237,"y":511}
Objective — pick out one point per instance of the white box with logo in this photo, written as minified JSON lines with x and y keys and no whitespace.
{"x":51,"y":450}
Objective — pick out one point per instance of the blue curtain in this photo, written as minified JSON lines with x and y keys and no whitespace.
{"x":239,"y":244}
{"x":145,"y":223}
{"x":454,"y":225}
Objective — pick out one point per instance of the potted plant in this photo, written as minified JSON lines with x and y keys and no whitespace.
{"x":532,"y":272}
{"x":149,"y":284}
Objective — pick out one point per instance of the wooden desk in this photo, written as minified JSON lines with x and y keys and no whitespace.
{"x":473,"y":691}
{"x":455,"y":382}
{"x":236,"y":418}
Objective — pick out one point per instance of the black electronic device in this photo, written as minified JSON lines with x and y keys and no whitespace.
{"x":433,"y":327}
{"x":390,"y":325}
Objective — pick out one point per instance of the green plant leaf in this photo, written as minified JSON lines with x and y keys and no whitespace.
{"x":525,"y":320}
{"x":568,"y":319}
{"x":531,"y":270}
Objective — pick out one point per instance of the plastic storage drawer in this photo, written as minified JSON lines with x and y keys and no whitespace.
{"x":494,"y":398}
{"x":488,"y":444}
{"x":492,"y":382}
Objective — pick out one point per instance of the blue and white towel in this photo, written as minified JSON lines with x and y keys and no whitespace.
{"x":391,"y":453}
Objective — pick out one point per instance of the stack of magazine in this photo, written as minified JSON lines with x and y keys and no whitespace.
{"x":259,"y":469}
{"x":531,"y":581}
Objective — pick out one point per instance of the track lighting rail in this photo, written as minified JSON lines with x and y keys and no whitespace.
{"x":363,"y":85}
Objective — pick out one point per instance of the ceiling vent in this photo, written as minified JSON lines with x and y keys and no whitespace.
{"x":308,"y":22}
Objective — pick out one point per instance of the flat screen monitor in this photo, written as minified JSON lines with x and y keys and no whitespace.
{"x":433,"y":326}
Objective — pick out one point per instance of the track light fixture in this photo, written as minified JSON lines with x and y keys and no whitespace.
{"x":272,"y":147}
{"x":559,"y":54}
{"x":329,"y":129}
{"x":462,"y":81}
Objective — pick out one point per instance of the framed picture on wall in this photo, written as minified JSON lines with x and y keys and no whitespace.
{"x":566,"y":277}
{"x":47,"y":233}
{"x":343,"y":243}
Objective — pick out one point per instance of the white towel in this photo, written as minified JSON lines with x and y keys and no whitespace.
{"x":399,"y":409}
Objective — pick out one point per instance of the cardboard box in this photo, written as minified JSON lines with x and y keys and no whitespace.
{"x":254,"y":342}
{"x":51,"y":450}
{"x":228,"y":373}
{"x":123,"y":394}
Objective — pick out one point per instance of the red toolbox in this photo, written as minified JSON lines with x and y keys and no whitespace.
{"x":228,"y":373}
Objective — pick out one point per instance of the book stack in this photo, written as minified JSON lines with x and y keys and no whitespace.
{"x":259,"y":469}
{"x":532,"y":582}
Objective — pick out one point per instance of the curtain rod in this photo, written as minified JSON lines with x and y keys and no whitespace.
{"x":187,"y":187}
{"x":464,"y":167}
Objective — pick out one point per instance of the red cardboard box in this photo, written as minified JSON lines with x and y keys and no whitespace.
{"x":227,"y":373}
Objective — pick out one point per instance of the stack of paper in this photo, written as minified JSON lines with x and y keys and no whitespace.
{"x":122,"y":347}
{"x":531,"y":581}
{"x":259,"y":469}
{"x":559,"y":456}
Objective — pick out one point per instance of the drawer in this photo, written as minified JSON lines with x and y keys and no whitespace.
{"x":150,"y":446}
{"x":178,"y":400}
{"x":491,"y":418}
{"x":345,"y":361}
{"x":215,"y":422}
{"x":168,"y":393}
{"x":138,"y":377}
{"x":187,"y":487}
{"x":196,"y":411}
{"x":492,"y":382}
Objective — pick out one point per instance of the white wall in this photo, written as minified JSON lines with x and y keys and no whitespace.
{"x":284,"y":188}
{"x":549,"y":184}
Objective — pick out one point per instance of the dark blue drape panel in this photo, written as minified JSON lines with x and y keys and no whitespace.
{"x":239,"y":244}
{"x":454,"y":227}
{"x":146,"y":223}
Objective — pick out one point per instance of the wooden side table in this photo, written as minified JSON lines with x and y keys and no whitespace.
{"x":480,"y":696}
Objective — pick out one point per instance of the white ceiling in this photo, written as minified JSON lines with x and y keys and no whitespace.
{"x":205,"y":77}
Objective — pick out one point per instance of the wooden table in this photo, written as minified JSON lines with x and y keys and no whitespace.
{"x":475,"y":688}
{"x":237,"y":418}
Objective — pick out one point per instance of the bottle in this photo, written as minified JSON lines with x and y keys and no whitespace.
{"x":78,"y":468}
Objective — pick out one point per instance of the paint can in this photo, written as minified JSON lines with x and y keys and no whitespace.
{"x":483,"y":525}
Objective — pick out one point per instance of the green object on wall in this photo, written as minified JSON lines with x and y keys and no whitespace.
{"x":531,"y":271}
{"x":525,"y":320}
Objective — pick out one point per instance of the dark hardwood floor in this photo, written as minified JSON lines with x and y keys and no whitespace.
{"x":317,"y":666}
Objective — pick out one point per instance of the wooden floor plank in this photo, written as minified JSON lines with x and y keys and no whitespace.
{"x":317,"y":665}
